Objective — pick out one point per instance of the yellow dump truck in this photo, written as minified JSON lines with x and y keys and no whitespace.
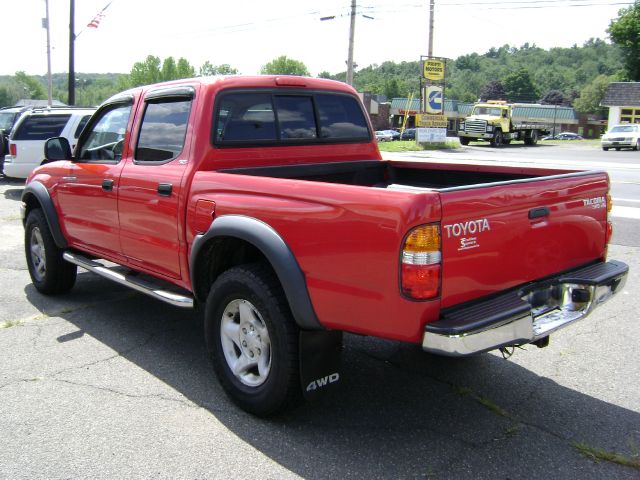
{"x":499,"y":122}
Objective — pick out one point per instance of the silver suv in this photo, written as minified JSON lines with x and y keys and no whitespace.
{"x":29,"y":134}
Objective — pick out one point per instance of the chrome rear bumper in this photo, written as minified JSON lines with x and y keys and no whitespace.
{"x":523,"y":316}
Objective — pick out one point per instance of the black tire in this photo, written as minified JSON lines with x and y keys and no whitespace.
{"x":617,"y":149}
{"x":498,"y":139}
{"x":606,"y":149}
{"x":464,"y":140}
{"x":532,"y":138}
{"x":637,"y":147}
{"x":249,"y":303}
{"x":506,"y":142}
{"x":49,"y":272}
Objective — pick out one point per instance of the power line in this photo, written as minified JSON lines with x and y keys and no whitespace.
{"x":495,"y":5}
{"x":384,"y":7}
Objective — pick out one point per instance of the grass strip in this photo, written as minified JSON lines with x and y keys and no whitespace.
{"x":598,"y":454}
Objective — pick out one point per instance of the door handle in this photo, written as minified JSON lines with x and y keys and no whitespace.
{"x":164,"y":189}
{"x":107,"y":184}
{"x":539,"y":213}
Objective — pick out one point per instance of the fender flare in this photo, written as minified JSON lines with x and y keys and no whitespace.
{"x":40,"y":192}
{"x":277,"y":252}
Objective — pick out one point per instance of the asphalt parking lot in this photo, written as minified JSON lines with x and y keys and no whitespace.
{"x":103,"y":382}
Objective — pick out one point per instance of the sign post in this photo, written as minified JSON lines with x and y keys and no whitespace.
{"x":432,"y":122}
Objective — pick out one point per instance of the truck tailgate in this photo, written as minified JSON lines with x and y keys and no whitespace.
{"x":498,"y":236}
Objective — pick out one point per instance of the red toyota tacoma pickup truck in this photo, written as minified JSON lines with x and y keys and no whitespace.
{"x":266,"y":200}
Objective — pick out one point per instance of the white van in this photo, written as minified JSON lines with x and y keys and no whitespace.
{"x":27,"y":139}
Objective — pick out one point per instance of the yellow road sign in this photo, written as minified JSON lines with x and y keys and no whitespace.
{"x":433,"y":69}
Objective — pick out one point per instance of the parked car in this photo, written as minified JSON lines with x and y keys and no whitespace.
{"x":395,"y":135}
{"x":568,"y":136}
{"x":383,"y":136}
{"x":622,"y":136}
{"x":408,"y":134}
{"x":8,"y":118}
{"x":26,"y":142}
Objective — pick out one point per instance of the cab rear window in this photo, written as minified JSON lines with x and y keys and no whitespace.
{"x":40,"y":127}
{"x":250,"y":118}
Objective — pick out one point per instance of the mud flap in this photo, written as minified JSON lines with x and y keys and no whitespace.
{"x":320,"y":354}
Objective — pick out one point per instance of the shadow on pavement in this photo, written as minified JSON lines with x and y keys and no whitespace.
{"x":399,"y":413}
{"x":12,"y":193}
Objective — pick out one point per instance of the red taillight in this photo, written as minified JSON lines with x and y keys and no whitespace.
{"x":421,"y":258}
{"x":421,"y":281}
{"x":13,"y":149}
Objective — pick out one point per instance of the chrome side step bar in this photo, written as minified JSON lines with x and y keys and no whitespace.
{"x":139,"y":284}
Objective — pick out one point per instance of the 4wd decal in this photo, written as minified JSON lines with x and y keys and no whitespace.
{"x":323,"y":382}
{"x":464,"y":230}
{"x":597,"y":202}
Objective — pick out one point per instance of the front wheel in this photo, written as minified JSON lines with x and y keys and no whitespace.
{"x":606,"y":149}
{"x":464,"y":141}
{"x":637,"y":147}
{"x":49,"y":272}
{"x":498,"y":139}
{"x":252,"y":340}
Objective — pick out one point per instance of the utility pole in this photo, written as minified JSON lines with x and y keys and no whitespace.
{"x":72,"y":40}
{"x":49,"y":82}
{"x":432,"y":8}
{"x":352,"y":29}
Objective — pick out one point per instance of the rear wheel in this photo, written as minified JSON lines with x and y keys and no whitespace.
{"x":252,"y":340}
{"x":497,"y":140}
{"x":532,"y":138}
{"x":49,"y":272}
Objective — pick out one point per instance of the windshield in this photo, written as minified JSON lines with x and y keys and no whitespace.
{"x":6,"y":120}
{"x":493,"y":111}
{"x":624,"y":128}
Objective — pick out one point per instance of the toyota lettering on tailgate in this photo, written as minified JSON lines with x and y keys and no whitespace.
{"x":464,"y":231}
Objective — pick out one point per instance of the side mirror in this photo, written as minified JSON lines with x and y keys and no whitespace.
{"x":57,"y":148}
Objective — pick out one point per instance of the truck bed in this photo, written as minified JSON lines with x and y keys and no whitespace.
{"x":501,"y":226}
{"x":401,"y":174}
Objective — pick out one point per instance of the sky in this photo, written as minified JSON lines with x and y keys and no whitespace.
{"x":248,"y":34}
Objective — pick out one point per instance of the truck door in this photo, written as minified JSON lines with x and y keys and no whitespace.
{"x":505,"y":120}
{"x":88,"y":193}
{"x":151,"y":187}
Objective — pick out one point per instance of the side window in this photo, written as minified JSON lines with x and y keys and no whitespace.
{"x":341,"y":117}
{"x":81,"y":125}
{"x":105,"y":137}
{"x":41,"y":127}
{"x":163,"y":130}
{"x":246,"y":117}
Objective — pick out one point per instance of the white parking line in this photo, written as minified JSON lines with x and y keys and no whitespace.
{"x":625,"y":212}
